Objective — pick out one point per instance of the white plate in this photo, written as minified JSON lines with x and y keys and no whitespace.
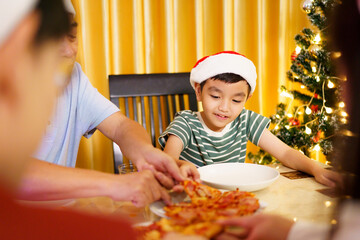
{"x":158,"y":207}
{"x":244,"y":176}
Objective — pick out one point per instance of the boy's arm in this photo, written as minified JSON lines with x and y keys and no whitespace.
{"x":296,"y":160}
{"x":174,"y":147}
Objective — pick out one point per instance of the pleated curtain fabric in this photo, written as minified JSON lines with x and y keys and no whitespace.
{"x":165,"y":36}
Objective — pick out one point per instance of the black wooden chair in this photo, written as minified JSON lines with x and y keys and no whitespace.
{"x":152,"y":100}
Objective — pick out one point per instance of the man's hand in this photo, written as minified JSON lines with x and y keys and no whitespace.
{"x":261,"y":226}
{"x":135,"y":144}
{"x":161,"y":164}
{"x":141,"y":188}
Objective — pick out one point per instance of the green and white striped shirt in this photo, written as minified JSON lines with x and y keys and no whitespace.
{"x":202,"y":148}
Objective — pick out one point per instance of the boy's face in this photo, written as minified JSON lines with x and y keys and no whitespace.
{"x":222,"y":102}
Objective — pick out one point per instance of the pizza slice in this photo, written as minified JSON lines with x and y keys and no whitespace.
{"x":200,"y":191}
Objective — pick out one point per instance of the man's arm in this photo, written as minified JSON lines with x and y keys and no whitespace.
{"x":136,"y":145}
{"x":47,"y":181}
{"x":296,"y":160}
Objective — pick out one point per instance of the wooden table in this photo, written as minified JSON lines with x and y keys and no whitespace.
{"x":297,"y":199}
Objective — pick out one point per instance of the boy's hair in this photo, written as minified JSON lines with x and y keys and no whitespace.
{"x":228,"y":78}
{"x":54,"y":21}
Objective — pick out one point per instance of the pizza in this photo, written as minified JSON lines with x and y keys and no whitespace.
{"x":199,"y":215}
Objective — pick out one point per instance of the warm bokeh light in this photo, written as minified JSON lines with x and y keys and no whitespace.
{"x":317,"y":38}
{"x":330,"y":84}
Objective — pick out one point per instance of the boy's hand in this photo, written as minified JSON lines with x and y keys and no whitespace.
{"x":188,"y":170}
{"x":327,"y":177}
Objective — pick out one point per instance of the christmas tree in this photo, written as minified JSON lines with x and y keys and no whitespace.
{"x":313,"y":111}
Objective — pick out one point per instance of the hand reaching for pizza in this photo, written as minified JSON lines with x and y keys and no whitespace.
{"x":200,"y":215}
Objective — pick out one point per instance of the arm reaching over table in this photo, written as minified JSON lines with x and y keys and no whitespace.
{"x":296,"y":160}
{"x":135,"y":144}
{"x":47,"y":181}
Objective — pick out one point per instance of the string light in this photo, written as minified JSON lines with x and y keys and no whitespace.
{"x":343,"y":120}
{"x":313,"y":69}
{"x":328,"y":110}
{"x":307,"y":130}
{"x":302,"y":86}
{"x":307,"y":110}
{"x":276,"y":127}
{"x":341,"y":104}
{"x":330,"y":84}
{"x":300,"y":113}
{"x":317,"y":38}
{"x":287,"y":127}
{"x":327,"y":203}
{"x":277,"y":116}
{"x":297,"y":49}
{"x":289,"y":115}
{"x":326,"y":118}
{"x":286,"y":94}
{"x":344,"y":114}
{"x":317,"y":147}
{"x":317,"y":78}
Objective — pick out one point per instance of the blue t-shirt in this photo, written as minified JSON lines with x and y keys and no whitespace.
{"x":78,"y":111}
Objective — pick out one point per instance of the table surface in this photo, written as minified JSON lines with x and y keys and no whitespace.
{"x":297,"y":199}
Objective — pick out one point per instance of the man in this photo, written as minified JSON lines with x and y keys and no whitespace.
{"x":80,"y":109}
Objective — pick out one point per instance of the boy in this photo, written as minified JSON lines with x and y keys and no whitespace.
{"x":219,"y":134}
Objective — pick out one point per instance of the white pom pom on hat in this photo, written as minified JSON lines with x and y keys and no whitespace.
{"x":224,"y":62}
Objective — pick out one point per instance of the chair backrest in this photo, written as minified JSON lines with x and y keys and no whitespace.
{"x":152,"y":100}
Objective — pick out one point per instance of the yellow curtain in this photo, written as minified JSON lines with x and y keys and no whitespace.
{"x":158,"y":36}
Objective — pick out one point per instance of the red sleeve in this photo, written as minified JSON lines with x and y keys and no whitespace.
{"x":23,"y":222}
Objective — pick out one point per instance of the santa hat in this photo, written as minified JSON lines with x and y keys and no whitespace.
{"x":11,"y":14}
{"x":224,"y":62}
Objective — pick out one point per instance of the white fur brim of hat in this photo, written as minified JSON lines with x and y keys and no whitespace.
{"x":11,"y":14}
{"x":224,"y":62}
